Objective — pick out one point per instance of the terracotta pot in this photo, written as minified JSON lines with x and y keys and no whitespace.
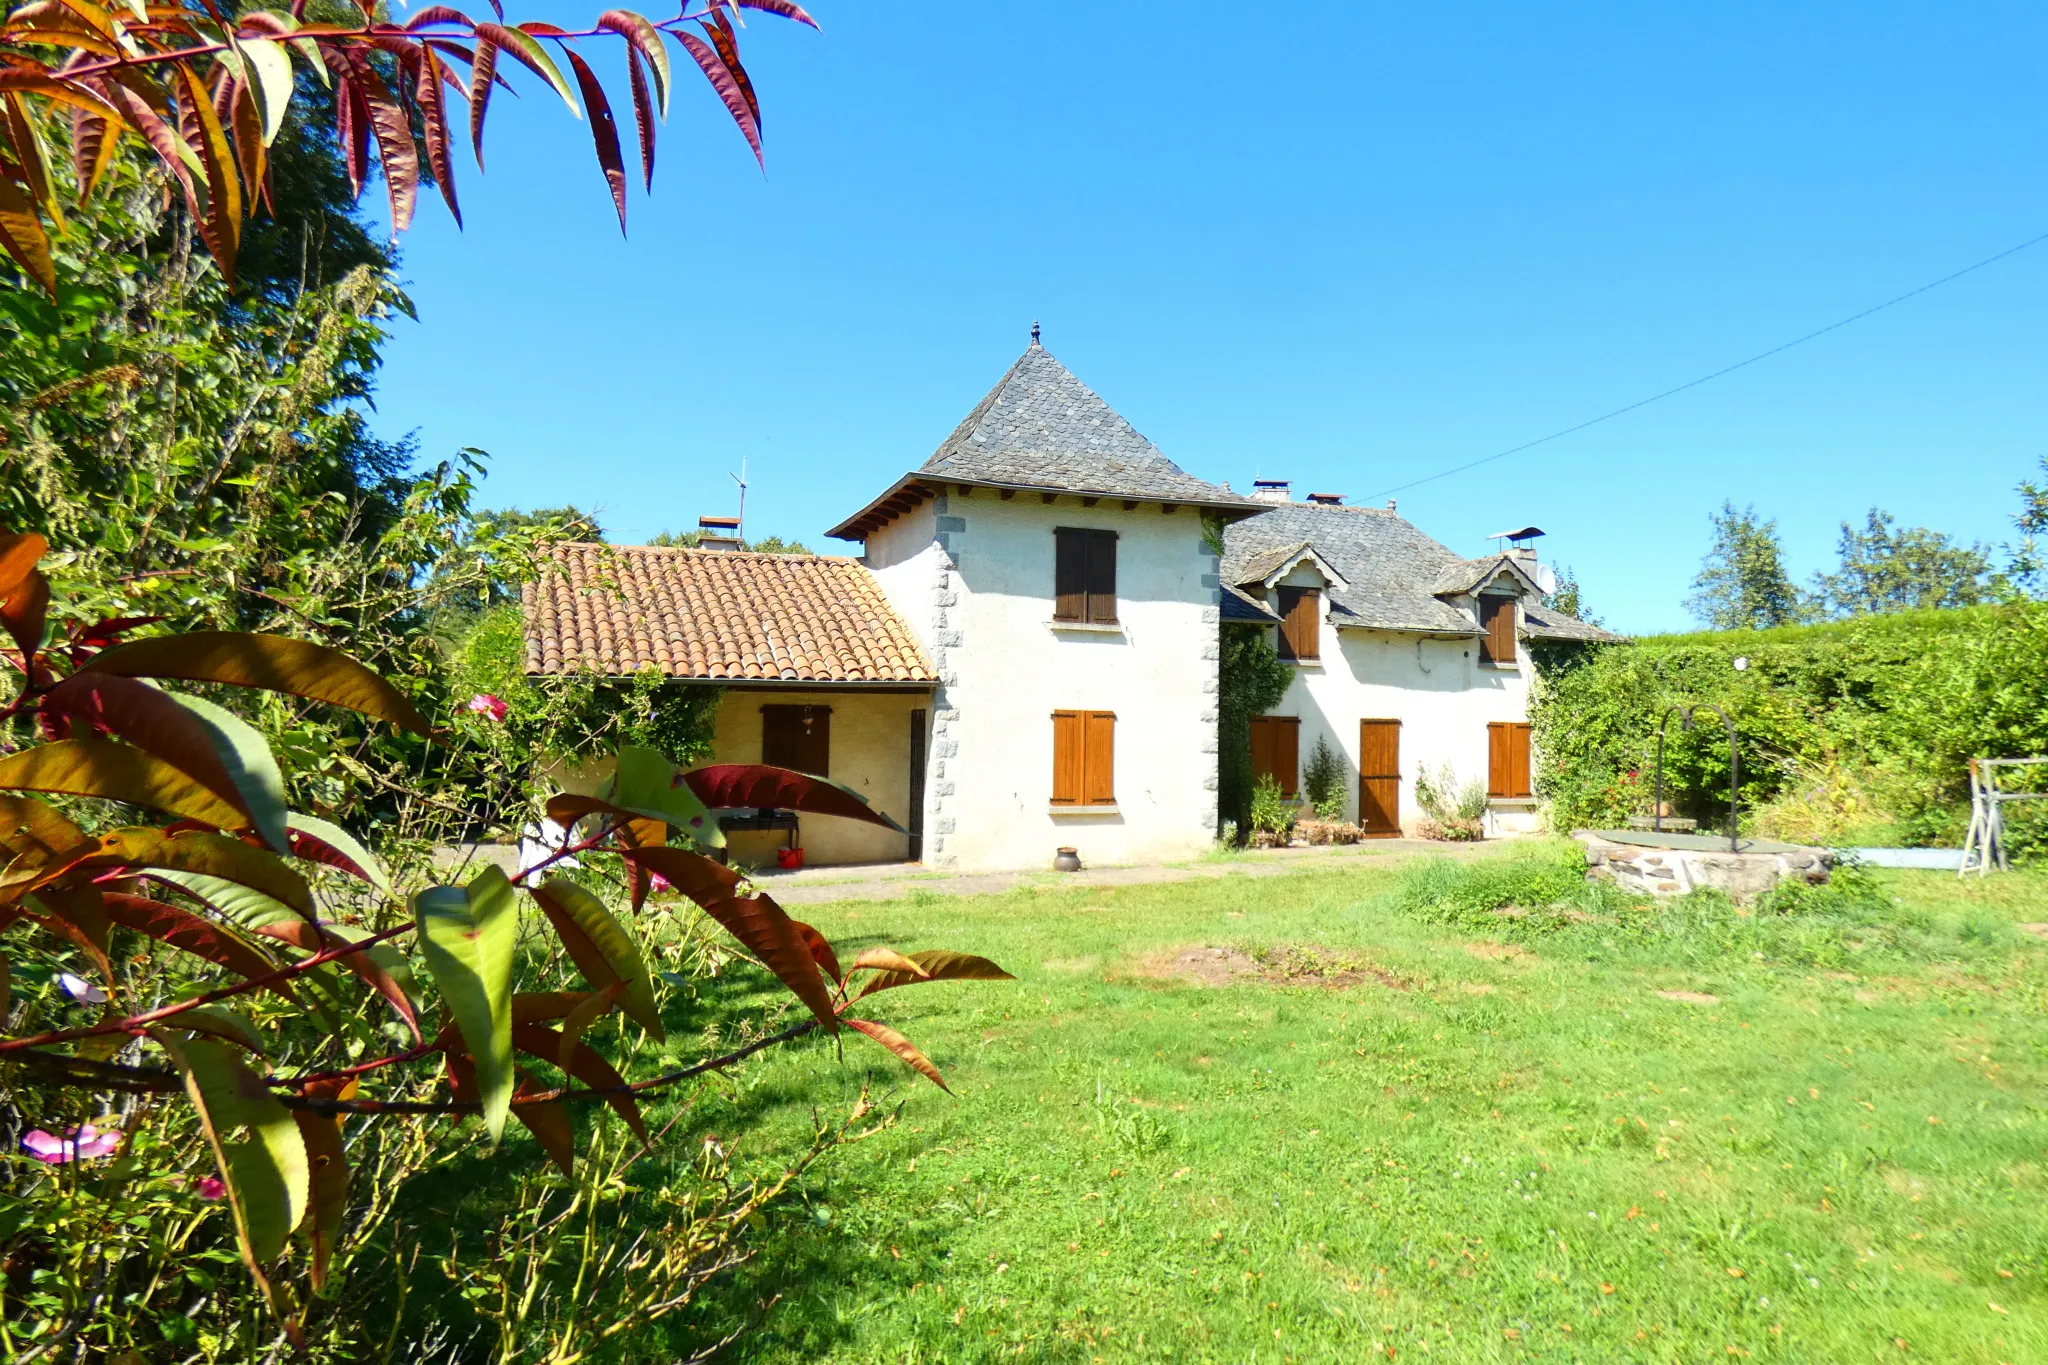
{"x":1066,"y":860}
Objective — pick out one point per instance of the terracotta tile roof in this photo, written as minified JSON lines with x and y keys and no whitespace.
{"x":718,"y":615}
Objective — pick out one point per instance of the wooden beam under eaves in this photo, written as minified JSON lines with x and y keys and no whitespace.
{"x":1090,"y":502}
{"x":1168,"y":508}
{"x":1130,"y":504}
{"x":1047,"y":498}
{"x":1007,"y":494}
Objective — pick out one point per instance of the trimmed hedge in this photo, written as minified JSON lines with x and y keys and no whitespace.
{"x":1853,"y":731}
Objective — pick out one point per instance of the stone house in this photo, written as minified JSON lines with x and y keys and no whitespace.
{"x":1024,"y":656}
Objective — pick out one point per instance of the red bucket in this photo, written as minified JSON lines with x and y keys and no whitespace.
{"x":790,"y":859}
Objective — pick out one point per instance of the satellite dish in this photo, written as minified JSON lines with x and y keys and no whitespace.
{"x":1546,"y":579}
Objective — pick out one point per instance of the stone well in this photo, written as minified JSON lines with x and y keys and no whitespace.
{"x":1671,"y":864}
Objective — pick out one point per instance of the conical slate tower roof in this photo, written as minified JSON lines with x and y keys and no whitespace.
{"x":1040,"y":427}
{"x":1043,"y":430}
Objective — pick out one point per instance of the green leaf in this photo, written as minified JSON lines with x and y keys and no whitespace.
{"x":648,"y":784}
{"x":221,"y":1022}
{"x":246,"y":755}
{"x":533,"y":56}
{"x":266,"y":1172}
{"x":318,"y":841}
{"x":467,"y":935}
{"x":241,"y":905}
{"x":272,"y":67}
{"x":118,"y":772}
{"x":600,"y":947}
{"x":273,"y":662}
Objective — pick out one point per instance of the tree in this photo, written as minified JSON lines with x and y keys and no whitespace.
{"x":1883,"y":569}
{"x":208,"y":97}
{"x":1742,"y":583}
{"x":1568,"y":598}
{"x":2028,"y":563}
{"x":1250,"y":678}
{"x":767,"y":545}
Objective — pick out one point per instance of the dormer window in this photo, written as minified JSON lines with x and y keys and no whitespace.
{"x":1497,"y":619}
{"x":1084,"y":576}
{"x":1300,"y":623}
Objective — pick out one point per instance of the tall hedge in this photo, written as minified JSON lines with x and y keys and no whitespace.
{"x":1889,"y":707}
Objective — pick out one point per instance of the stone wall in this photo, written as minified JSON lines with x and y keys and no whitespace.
{"x":1674,"y":871}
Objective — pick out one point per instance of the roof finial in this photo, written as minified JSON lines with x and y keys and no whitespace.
{"x":1034,"y":331}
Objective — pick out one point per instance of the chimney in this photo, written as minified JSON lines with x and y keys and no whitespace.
{"x":1327,"y":499}
{"x":719,"y":533}
{"x":1390,"y":504}
{"x":1270,"y":490}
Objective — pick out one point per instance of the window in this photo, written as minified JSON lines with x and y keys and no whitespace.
{"x":1276,"y":749}
{"x":1300,"y":623}
{"x":1507,"y":760}
{"x":1084,"y":758}
{"x":1084,"y":576}
{"x":1497,"y":619}
{"x":798,"y":737}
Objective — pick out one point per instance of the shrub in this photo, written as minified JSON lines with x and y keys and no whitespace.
{"x":1272,"y":813}
{"x":1445,"y":800}
{"x":1323,"y":781}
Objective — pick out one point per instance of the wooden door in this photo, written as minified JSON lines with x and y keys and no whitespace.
{"x":1379,"y":778}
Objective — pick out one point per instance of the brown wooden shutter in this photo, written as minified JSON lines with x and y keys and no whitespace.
{"x":1262,"y":746}
{"x":1507,"y":760}
{"x":1379,"y":777}
{"x":798,"y":737}
{"x":1102,"y":577}
{"x":1276,"y":751}
{"x":1497,"y":619}
{"x":1066,"y":758}
{"x":1098,"y":782}
{"x":1070,"y":575}
{"x":1300,"y":626}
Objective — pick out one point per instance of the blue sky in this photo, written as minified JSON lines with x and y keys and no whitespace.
{"x":1346,"y":244}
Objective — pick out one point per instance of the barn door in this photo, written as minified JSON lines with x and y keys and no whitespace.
{"x":1379,"y":778}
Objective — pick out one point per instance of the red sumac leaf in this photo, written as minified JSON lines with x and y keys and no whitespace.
{"x":821,"y":950}
{"x":548,"y":1121}
{"x":434,"y":124}
{"x":19,"y":555}
{"x":149,"y":719}
{"x":902,"y":1047}
{"x":314,"y":938}
{"x":394,"y":139}
{"x":723,"y":38}
{"x":25,"y":613}
{"x":644,"y":39}
{"x":889,"y":960}
{"x":643,"y":116}
{"x":604,"y":133}
{"x":730,"y":785}
{"x":327,"y":1171}
{"x":938,"y":965}
{"x":786,"y":8}
{"x":586,"y":1065}
{"x":727,"y":88}
{"x":483,"y":74}
{"x":756,"y":921}
{"x":275,"y":663}
{"x":185,"y":930}
{"x":438,"y":14}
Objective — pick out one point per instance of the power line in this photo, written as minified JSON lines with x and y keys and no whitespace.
{"x":1706,"y":378}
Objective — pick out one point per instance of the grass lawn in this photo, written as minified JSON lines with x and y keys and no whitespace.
{"x":1677,"y":1135}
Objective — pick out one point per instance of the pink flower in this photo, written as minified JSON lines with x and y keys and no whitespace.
{"x":658,"y":882}
{"x":211,"y":1187}
{"x":484,"y":704}
{"x":77,"y":1144}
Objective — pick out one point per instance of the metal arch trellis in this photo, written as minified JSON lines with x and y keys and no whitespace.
{"x":1685,"y":713}
{"x":1984,"y":845}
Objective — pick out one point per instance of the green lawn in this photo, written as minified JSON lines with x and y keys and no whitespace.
{"x":1493,"y":1140}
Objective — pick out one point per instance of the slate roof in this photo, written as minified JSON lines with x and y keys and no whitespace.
{"x":1263,"y":565}
{"x":718,"y":616}
{"x":1393,"y":570}
{"x":1041,"y":428}
{"x":1468,"y":574}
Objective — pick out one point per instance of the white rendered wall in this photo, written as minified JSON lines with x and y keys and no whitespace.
{"x":1437,"y":688}
{"x":1004,"y":669}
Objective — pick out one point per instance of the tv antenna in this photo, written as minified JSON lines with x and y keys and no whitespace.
{"x":741,"y":479}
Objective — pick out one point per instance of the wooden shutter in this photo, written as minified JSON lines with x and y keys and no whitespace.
{"x":1276,"y":749}
{"x":1497,"y":619}
{"x":1070,"y":575}
{"x":1098,"y":760}
{"x":1379,"y":777}
{"x":1301,"y":624}
{"x":798,"y":737}
{"x":1066,"y":758}
{"x":1101,"y":577}
{"x":1507,"y":760}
